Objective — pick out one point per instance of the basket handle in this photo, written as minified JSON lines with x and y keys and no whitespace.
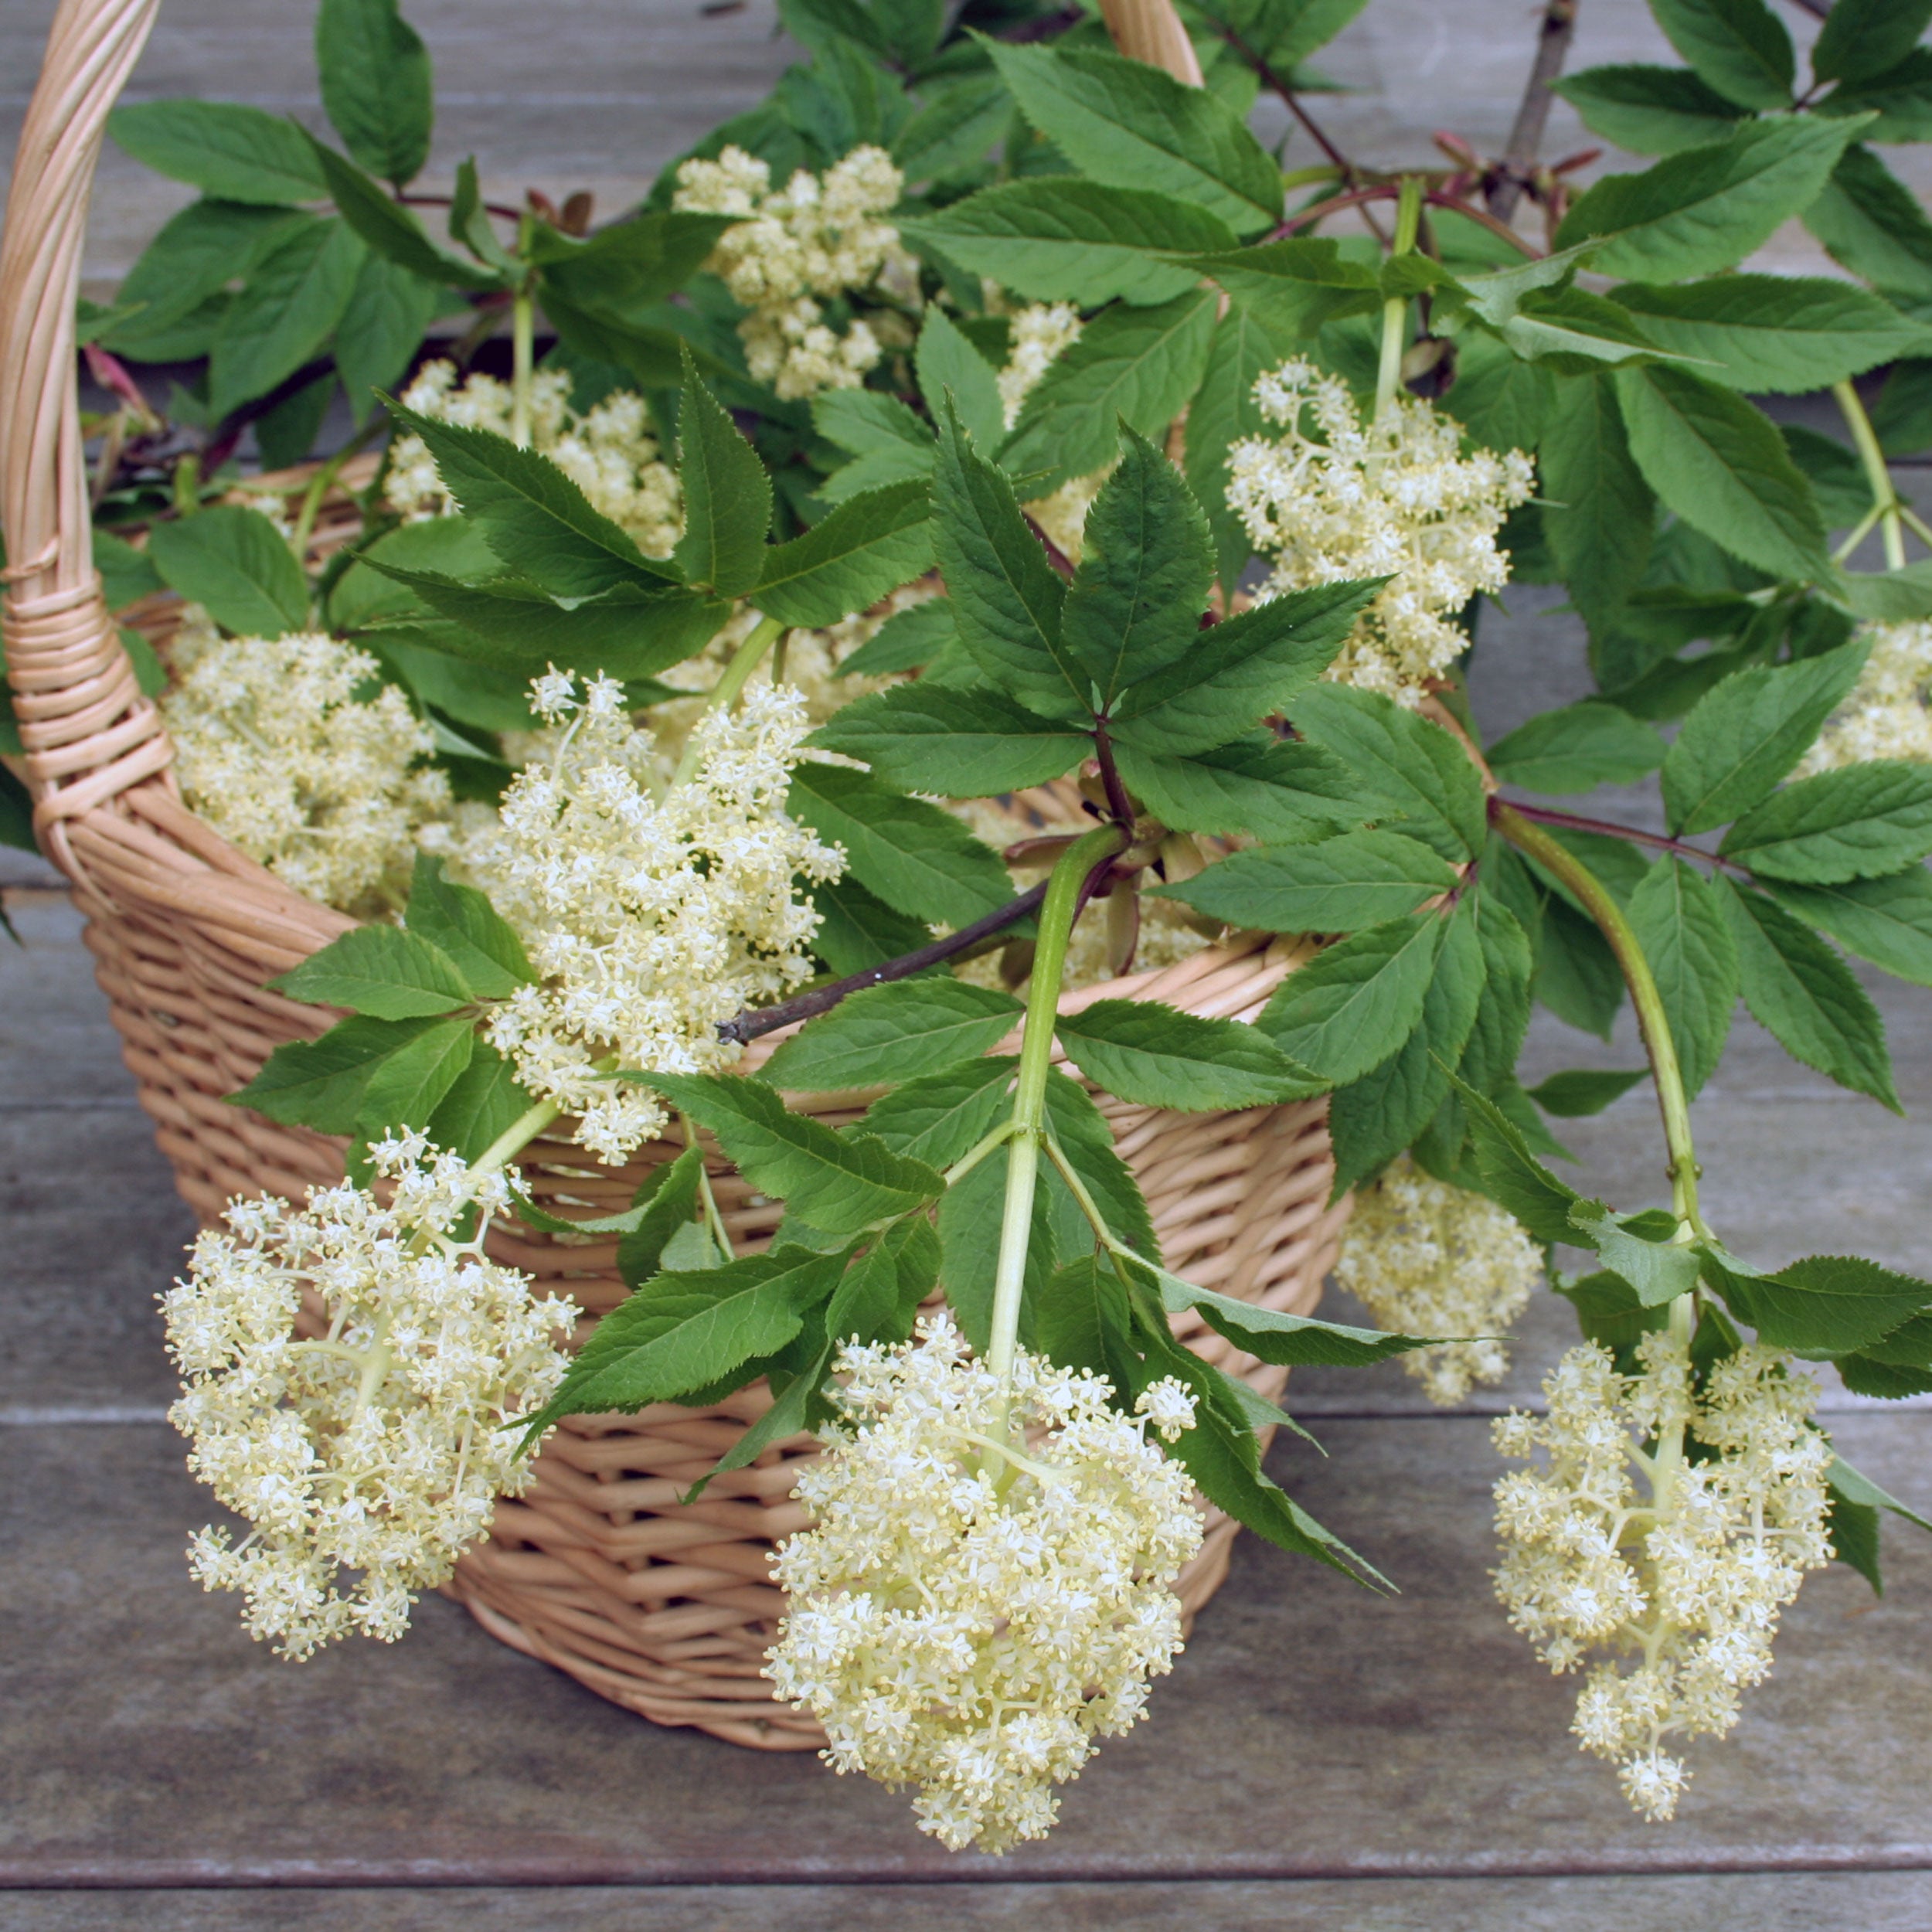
{"x":87,"y":732}
{"x":1150,"y":30}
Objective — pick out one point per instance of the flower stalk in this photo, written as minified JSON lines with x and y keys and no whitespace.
{"x":1395,"y":311}
{"x":1885,"y":498}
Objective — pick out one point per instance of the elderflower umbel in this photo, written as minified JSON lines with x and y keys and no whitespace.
{"x":1042,"y":333}
{"x":368,"y":1459}
{"x":813,"y":240}
{"x":1689,"y":1573}
{"x":1886,"y":714}
{"x":1390,"y":497}
{"x":291,"y":750}
{"x":971,"y":1641}
{"x":1425,"y":1258}
{"x":607,"y":451}
{"x":651,"y":914}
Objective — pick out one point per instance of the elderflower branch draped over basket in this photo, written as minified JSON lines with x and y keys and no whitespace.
{"x":982,"y":461}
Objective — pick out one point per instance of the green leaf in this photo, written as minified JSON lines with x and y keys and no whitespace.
{"x":947,"y":364}
{"x":623,"y":269}
{"x":1295,"y":285}
{"x":532,"y":514}
{"x":1860,"y":1488}
{"x":1083,"y":1321}
{"x":727,"y":495}
{"x":1680,"y":923}
{"x":1836,"y":476}
{"x":1417,"y":769}
{"x":665,"y":1202}
{"x":1056,"y":238}
{"x":920,"y":860}
{"x":907,"y":641}
{"x":1871,"y":223}
{"x":1224,"y":411}
{"x":1700,"y":212}
{"x":1862,"y":38}
{"x":1259,"y":784}
{"x":234,"y":152}
{"x":1156,"y":1055}
{"x":867,"y":422}
{"x":892,"y":1033}
{"x":405,"y":1088}
{"x":1650,"y":110}
{"x":1138,"y":365}
{"x":838,"y":1184}
{"x":1355,"y":1002}
{"x":126,"y":574}
{"x":961,"y":744}
{"x":681,"y":1332}
{"x":879,"y":1299}
{"x":869,"y":545}
{"x":1576,"y":749}
{"x":1608,"y":1311}
{"x":374,"y":74}
{"x":293,"y":298}
{"x":461,"y":923}
{"x":236,"y":564}
{"x":203,"y":250}
{"x":951,"y":134}
{"x":1584,"y":1090}
{"x":1860,"y":821}
{"x":1746,"y":732}
{"x":1338,"y":885}
{"x":380,"y":970}
{"x":1721,"y":465}
{"x":1784,"y":334}
{"x":1740,"y":47}
{"x":1825,"y":1305}
{"x":320,"y":1083}
{"x":1241,"y":671}
{"x":1888,"y":921}
{"x":1503,"y":401}
{"x":857,"y":929}
{"x":1658,"y":1270}
{"x":940,"y":1117}
{"x":1079,"y":1130}
{"x":1130,"y":125}
{"x":1503,"y":1017}
{"x":1297,"y":1341}
{"x":388,"y":310}
{"x":392,"y":230}
{"x":969,"y":1218}
{"x":483,"y":1102}
{"x":1514,"y":1177}
{"x":1803,"y":996}
{"x":1134,"y":608}
{"x":1901,"y":97}
{"x":1601,"y":513}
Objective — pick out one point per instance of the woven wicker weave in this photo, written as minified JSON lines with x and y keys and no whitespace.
{"x":666,"y":1610}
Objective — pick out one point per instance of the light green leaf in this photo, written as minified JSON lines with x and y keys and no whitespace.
{"x":380,"y":970}
{"x":1824,"y":1305}
{"x":1746,"y":732}
{"x":1259,"y":784}
{"x":462,"y":924}
{"x":1157,"y":1056}
{"x":920,"y":860}
{"x":375,"y":75}
{"x":869,"y":545}
{"x":1504,"y":401}
{"x":947,"y":364}
{"x":1659,"y":1271}
{"x":1356,"y":1001}
{"x":1740,"y":47}
{"x":1860,"y":821}
{"x":483,"y":1102}
{"x":1338,"y":886}
{"x":1057,"y":238}
{"x":892,"y":1033}
{"x":320,"y":1083}
{"x":1576,"y":749}
{"x":1803,"y":995}
{"x":1079,"y":1130}
{"x":727,"y":495}
{"x":1871,"y":223}
{"x":878,"y":1299}
{"x":405,"y":1088}
{"x":961,"y":744}
{"x":1297,"y":1340}
{"x":1701,"y":211}
{"x":939,"y":1117}
{"x":197,"y":254}
{"x":1680,"y":923}
{"x":234,"y":152}
{"x":660,"y":1209}
{"x":236,"y":564}
{"x":392,"y":230}
{"x":1650,"y":110}
{"x":1293,"y":286}
{"x":623,"y":268}
{"x":1131,"y":125}
{"x":858,"y":930}
{"x":1888,"y":921}
{"x":1721,"y":465}
{"x":390,"y":309}
{"x":907,"y":641}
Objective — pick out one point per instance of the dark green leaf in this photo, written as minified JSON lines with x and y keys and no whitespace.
{"x":1157,"y":1056}
{"x":382,"y":970}
{"x":880,"y":1294}
{"x":1837,"y":479}
{"x":1680,"y":923}
{"x":948,"y":365}
{"x":1257,"y":785}
{"x":920,"y":860}
{"x":1514,"y":1177}
{"x":197,"y":254}
{"x":1338,"y":886}
{"x":460,"y":922}
{"x":1057,"y":239}
{"x":727,"y":495}
{"x":869,"y":545}
{"x":375,"y":73}
{"x":234,"y":562}
{"x":940,"y":1117}
{"x":1298,"y":1341}
{"x":320,"y":1083}
{"x":1740,"y":47}
{"x":1576,"y":749}
{"x":665,"y":1202}
{"x":894,"y":1032}
{"x":623,"y":269}
{"x":952,"y":133}
{"x":1860,"y":821}
{"x":1356,"y":1001}
{"x":1747,"y":732}
{"x":1901,"y":97}
{"x":483,"y":1102}
{"x":126,"y":574}
{"x":1862,"y":38}
{"x":1584,"y":1090}
{"x":961,"y":744}
{"x":906,"y":640}
{"x":970,"y":1219}
{"x":405,"y":1088}
{"x":1720,"y":464}
{"x":1888,"y":921}
{"x":1083,"y":1321}
{"x":1802,"y":993}
{"x":1504,"y":401}
{"x":1650,"y":110}
{"x":392,"y":230}
{"x":1608,"y":1311}
{"x":381,"y":328}
{"x":1601,"y":512}
{"x":1503,"y":1017}
{"x":1293,"y":286}
{"x":1079,"y":1130}
{"x":1827,"y":1304}
{"x":1871,"y":223}
{"x":1131,"y":125}
{"x":1224,"y":411}
{"x":237,"y":153}
{"x":857,"y":930}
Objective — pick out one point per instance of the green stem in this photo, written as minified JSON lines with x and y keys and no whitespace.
{"x":714,"y":1219}
{"x":1395,"y":311}
{"x":522,"y":341}
{"x":1056,"y":916}
{"x":737,"y":674}
{"x":1563,"y":864}
{"x":516,"y":1137}
{"x":324,"y":481}
{"x":1885,"y":498}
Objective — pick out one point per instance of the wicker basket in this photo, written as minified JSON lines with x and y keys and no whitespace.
{"x":664,"y":1609}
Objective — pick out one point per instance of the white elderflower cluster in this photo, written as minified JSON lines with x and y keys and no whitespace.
{"x":292,"y":750}
{"x":1335,"y":499}
{"x":651,"y":912}
{"x":969,"y":1620}
{"x":365,"y":1458}
{"x":1425,"y":1258}
{"x":1687,"y":1573}
{"x":1041,"y":334}
{"x":608,"y":450}
{"x":1885,"y":715}
{"x":797,"y":248}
